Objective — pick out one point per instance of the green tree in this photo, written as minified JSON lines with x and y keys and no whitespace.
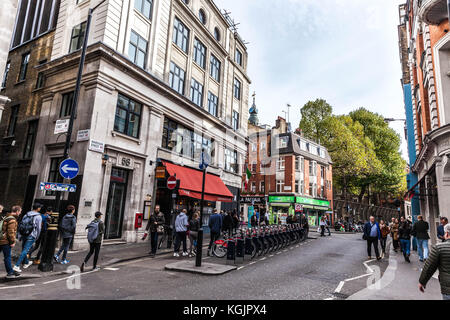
{"x":313,"y":113}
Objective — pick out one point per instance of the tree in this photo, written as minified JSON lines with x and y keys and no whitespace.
{"x":313,"y":114}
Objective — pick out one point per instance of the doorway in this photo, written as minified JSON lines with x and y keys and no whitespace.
{"x":116,"y":203}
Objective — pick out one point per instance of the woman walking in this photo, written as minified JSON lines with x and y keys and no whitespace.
{"x":394,"y":234}
{"x":384,"y":234}
{"x":194,"y":226}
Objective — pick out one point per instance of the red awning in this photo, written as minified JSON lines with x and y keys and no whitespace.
{"x":191,"y":184}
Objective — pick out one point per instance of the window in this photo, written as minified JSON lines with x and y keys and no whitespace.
{"x":5,"y":75}
{"x":296,"y":186}
{"x":231,"y":160}
{"x":322,"y":192}
{"x":254,"y":166}
{"x":215,"y":68}
{"x":302,"y":164}
{"x":262,"y":145}
{"x":235,"y":120}
{"x":53,"y":174}
{"x":180,"y":35}
{"x":238,"y":57}
{"x":144,"y":7}
{"x":66,"y":105}
{"x":310,"y":191}
{"x":24,"y":67}
{"x":312,"y":168}
{"x":280,"y":164}
{"x":197,"y":92}
{"x":202,"y":16}
{"x":253,"y":187}
{"x":237,"y":89}
{"x":217,"y":34}
{"x":322,"y":172}
{"x":31,"y":138}
{"x":77,"y":38}
{"x":262,"y":187}
{"x":137,"y":51}
{"x":184,"y":141}
{"x":297,"y":163}
{"x":128,"y":116}
{"x":213,"y":102}
{"x":280,"y":185}
{"x":185,"y":1}
{"x":12,"y":121}
{"x":40,"y":80}
{"x":322,"y":153}
{"x":199,"y":53}
{"x":302,"y":187}
{"x":254,"y":146}
{"x":176,"y":78}
{"x":283,"y":142}
{"x":303,"y":145}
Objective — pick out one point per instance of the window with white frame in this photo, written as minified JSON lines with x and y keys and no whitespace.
{"x":280,"y":185}
{"x":262,"y":145}
{"x":231,"y":160}
{"x":262,"y":187}
{"x":281,"y":164}
{"x":296,"y":186}
{"x":302,"y":187}
{"x":283,"y":142}
{"x":253,"y":187}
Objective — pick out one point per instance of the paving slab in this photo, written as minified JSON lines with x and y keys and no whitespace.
{"x":212,"y":269}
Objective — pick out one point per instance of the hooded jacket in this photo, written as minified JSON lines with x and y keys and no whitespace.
{"x":37,"y":224}
{"x":181,"y":222}
{"x":9,"y":231}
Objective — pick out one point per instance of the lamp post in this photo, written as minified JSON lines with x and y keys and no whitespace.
{"x":50,"y":243}
{"x":198,"y":257}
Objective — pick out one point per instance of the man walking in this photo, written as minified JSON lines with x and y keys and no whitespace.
{"x":8,"y":239}
{"x":420,"y":231}
{"x":68,"y":228}
{"x":155,"y":225}
{"x":393,"y":227}
{"x":95,"y":235}
{"x":215,"y":225}
{"x":372,"y":234}
{"x":440,"y":229}
{"x":439,"y":259}
{"x":29,"y":231}
{"x":404,"y":234}
{"x":40,"y":241}
{"x":181,"y":224}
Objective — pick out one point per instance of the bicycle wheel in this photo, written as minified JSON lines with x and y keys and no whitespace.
{"x":219,"y":251}
{"x":253,"y":255}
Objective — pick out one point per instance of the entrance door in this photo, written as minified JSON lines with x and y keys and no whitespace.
{"x":116,"y":203}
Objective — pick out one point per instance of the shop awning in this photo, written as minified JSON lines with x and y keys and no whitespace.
{"x":191,"y":184}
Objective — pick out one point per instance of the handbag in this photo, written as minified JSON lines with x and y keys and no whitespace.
{"x":160,"y":229}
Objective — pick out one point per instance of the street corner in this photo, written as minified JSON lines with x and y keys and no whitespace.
{"x":209,"y":269}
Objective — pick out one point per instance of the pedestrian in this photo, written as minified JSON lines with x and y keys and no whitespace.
{"x":385,"y":231}
{"x":29,"y":230}
{"x":394,"y":233}
{"x":39,"y":244}
{"x":253,"y":221}
{"x":322,"y":224}
{"x":155,"y":226}
{"x":327,"y":225}
{"x":439,"y":259}
{"x":215,"y":225}
{"x":440,"y":229}
{"x":404,"y":234}
{"x":96,"y":230}
{"x":228,"y":223}
{"x":194,"y":226}
{"x":8,"y":238}
{"x":235,"y":221}
{"x":68,"y":228}
{"x":267,"y":217}
{"x":181,"y":224}
{"x":420,"y":231}
{"x":372,"y":234}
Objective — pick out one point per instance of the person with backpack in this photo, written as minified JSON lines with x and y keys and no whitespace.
{"x":96,"y":230}
{"x":8,"y":228}
{"x":68,"y":227}
{"x":40,"y":241}
{"x":194,"y":226}
{"x":156,"y":226}
{"x":29,"y":231}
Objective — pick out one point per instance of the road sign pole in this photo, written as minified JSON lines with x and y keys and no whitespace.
{"x":198,"y":257}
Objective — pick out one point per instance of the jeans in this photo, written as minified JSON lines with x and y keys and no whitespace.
{"x":64,"y":247}
{"x":7,"y":258}
{"x":422,"y":248}
{"x":374,"y":241}
{"x":322,"y":231}
{"x":328,"y":230}
{"x":26,"y":246}
{"x":383,"y":244}
{"x":193,"y":236}
{"x":153,"y":242}
{"x":181,"y":237}
{"x":214,"y":237}
{"x":93,"y":247}
{"x":446,"y":296}
{"x":406,"y":246}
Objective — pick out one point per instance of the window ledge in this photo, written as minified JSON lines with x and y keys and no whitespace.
{"x":20,"y":82}
{"x":118,"y":134}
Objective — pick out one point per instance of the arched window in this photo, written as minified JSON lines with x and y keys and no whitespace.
{"x":217,"y":34}
{"x":202,"y":16}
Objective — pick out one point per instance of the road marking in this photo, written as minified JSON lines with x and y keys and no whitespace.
{"x":253,"y":262}
{"x":69,"y":277}
{"x":18,"y":286}
{"x":297,"y":246}
{"x":291,"y":248}
{"x":262,"y":259}
{"x":332,"y":298}
{"x":358,"y":277}
{"x":339,"y":288}
{"x":111,"y":269}
{"x":285,"y":250}
{"x":278,"y":253}
{"x":240,"y":268}
{"x":271,"y":256}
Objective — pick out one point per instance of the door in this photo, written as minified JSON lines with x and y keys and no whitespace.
{"x":116,"y":203}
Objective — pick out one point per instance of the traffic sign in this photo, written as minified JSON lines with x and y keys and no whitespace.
{"x":52,"y":186}
{"x":68,"y":169}
{"x":171,"y":182}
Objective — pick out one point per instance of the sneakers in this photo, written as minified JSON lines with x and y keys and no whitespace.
{"x":95,"y":268}
{"x":65,"y":261}
{"x":378,"y":258}
{"x":176,"y":254}
{"x":27,"y":265}
{"x":82,"y":266}
{"x":17,"y":269}
{"x":56,"y":258}
{"x":185,"y":254}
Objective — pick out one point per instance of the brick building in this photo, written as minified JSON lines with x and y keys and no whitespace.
{"x":289,"y":174}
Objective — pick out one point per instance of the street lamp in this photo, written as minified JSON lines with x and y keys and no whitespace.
{"x":50,"y":243}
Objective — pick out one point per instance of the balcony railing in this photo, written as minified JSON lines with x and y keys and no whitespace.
{"x":433,"y":11}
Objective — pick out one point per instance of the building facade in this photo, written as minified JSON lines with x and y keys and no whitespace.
{"x":428,"y":60}
{"x":289,"y":175}
{"x":163,"y":81}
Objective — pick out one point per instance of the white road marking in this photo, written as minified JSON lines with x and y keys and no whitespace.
{"x":111,"y":269}
{"x":271,"y":256}
{"x":339,"y":288}
{"x":262,"y":259}
{"x":278,"y":253}
{"x":240,"y":268}
{"x":332,"y":298}
{"x":358,"y":277}
{"x":69,"y":277}
{"x":19,"y":286}
{"x":253,"y":262}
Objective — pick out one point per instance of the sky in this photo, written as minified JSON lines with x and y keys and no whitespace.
{"x":344,"y":51}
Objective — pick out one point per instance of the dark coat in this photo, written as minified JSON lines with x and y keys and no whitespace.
{"x":368,"y":228}
{"x":439,"y":258}
{"x":215,"y":223}
{"x":404,"y":231}
{"x":227,"y":222}
{"x":420,"y":230}
{"x":158,"y":218}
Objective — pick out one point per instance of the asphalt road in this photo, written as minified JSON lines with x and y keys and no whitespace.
{"x":313,"y":270}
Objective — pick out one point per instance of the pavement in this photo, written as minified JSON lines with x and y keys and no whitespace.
{"x":211,"y":269}
{"x":400,"y":282}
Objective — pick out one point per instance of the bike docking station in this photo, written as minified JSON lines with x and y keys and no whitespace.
{"x":231,"y":253}
{"x":240,"y":252}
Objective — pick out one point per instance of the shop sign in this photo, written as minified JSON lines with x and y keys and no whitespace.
{"x":253,"y":199}
{"x":284,"y":199}
{"x":316,"y":202}
{"x":161,"y":172}
{"x":298,"y":207}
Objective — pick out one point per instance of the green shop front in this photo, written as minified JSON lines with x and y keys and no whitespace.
{"x":280,"y":207}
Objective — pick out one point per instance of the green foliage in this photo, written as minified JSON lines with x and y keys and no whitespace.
{"x":313,"y":113}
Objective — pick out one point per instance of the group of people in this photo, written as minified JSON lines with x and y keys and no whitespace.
{"x":324,"y":224}
{"x":32,"y":228}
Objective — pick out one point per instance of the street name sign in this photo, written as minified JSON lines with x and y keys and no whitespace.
{"x":68,"y":169}
{"x":62,"y":126}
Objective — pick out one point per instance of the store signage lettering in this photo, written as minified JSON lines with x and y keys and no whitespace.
{"x":316,"y":202}
{"x":281,"y":199}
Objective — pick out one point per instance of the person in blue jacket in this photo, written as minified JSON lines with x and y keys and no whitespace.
{"x":372,"y":234}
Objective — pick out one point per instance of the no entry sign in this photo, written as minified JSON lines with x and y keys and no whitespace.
{"x":171,"y":182}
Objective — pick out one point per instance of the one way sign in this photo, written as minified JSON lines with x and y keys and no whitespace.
{"x":68,"y":169}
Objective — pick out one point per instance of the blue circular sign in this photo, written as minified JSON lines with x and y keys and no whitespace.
{"x":68,"y":169}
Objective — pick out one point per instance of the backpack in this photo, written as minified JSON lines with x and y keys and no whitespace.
{"x":26,"y":225}
{"x":92,"y":231}
{"x":3,"y":220}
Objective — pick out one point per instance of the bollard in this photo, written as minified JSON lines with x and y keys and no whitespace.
{"x":240,"y":251}
{"x":231,"y":252}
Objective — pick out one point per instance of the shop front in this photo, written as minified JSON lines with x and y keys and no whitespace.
{"x":250,"y":203}
{"x":280,"y":207}
{"x":314,"y":209}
